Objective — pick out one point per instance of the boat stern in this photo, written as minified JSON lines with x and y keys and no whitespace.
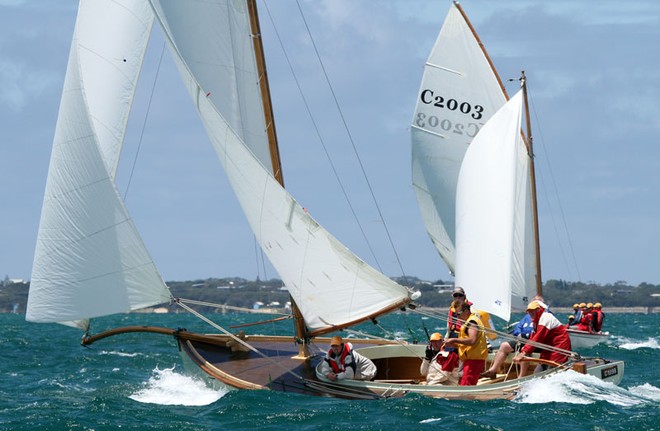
{"x":606,"y":370}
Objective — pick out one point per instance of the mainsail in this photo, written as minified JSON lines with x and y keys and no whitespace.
{"x":90,"y":260}
{"x":459,"y":92}
{"x":331,"y":286}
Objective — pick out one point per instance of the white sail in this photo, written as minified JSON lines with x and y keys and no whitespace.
{"x":223,"y":64}
{"x":330,"y":285}
{"x":492,"y":202}
{"x":89,"y":259}
{"x":459,"y":92}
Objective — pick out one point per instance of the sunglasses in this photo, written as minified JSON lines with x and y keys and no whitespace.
{"x":458,"y":295}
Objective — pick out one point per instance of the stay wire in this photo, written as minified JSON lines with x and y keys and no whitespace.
{"x":144,"y":122}
{"x":320,"y":138}
{"x":237,"y":339}
{"x":504,"y":335}
{"x":556,"y":191}
{"x":350,"y":137}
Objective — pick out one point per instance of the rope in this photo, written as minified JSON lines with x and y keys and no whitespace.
{"x":237,"y":339}
{"x":505,"y":335}
{"x":229,"y":307}
{"x":350,"y":138}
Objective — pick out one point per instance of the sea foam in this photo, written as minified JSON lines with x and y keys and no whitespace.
{"x":167,"y":387}
{"x":575,"y":388}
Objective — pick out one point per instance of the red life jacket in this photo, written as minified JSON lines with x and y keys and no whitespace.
{"x":598,"y":322}
{"x":339,"y":364}
{"x":587,"y":321}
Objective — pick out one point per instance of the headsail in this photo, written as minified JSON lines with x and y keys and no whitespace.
{"x":331,"y":286}
{"x":492,"y":213}
{"x":89,"y":259}
{"x":459,"y":92}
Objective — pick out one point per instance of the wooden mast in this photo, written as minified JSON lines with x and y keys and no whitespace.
{"x":532,"y":173}
{"x":302,"y":335}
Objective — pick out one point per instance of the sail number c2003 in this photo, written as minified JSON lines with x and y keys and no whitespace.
{"x":428,"y":97}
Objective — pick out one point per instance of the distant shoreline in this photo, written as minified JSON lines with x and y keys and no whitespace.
{"x":606,"y":310}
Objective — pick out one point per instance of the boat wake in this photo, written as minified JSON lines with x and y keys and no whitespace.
{"x":631,"y":344}
{"x":574,"y":388}
{"x":169,"y":388}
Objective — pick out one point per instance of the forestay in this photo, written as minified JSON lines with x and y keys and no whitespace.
{"x":89,"y":259}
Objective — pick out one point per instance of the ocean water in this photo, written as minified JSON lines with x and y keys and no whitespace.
{"x":137,"y":382}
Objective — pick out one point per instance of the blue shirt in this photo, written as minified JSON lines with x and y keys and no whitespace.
{"x":525,"y":327}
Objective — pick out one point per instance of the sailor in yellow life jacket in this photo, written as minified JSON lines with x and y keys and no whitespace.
{"x":471,"y":343}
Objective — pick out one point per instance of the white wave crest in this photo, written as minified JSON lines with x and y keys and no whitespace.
{"x":630,"y":344}
{"x":169,"y":388}
{"x":115,"y":353}
{"x":575,"y":388}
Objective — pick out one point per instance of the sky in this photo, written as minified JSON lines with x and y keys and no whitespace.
{"x":593,"y":72}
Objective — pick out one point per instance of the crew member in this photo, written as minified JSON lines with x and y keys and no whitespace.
{"x":440,"y":366}
{"x":547,"y":330}
{"x":342,"y":362}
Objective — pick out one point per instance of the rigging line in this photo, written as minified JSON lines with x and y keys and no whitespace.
{"x":555,"y":189}
{"x":259,"y":253}
{"x":503,"y":334}
{"x":229,"y":307}
{"x":350,"y":137}
{"x":144,"y":122}
{"x":399,"y":342}
{"x":237,"y":339}
{"x":318,"y":134}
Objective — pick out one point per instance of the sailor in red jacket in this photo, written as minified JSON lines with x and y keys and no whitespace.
{"x":547,"y":330}
{"x":586,"y":322}
{"x":599,"y":316}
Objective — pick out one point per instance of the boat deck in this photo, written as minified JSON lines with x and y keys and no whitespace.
{"x":276,"y":366}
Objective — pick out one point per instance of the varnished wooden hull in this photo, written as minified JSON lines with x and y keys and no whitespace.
{"x":281,"y":369}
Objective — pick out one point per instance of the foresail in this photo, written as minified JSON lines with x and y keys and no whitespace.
{"x":89,"y":259}
{"x":492,"y":211}
{"x":330,"y":285}
{"x":459,"y":92}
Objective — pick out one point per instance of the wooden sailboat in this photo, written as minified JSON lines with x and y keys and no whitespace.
{"x":90,"y":260}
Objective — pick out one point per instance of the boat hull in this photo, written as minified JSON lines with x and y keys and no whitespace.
{"x":586,"y":340}
{"x":278,"y":367}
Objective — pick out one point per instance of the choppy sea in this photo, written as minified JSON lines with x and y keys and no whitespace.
{"x":137,"y":382}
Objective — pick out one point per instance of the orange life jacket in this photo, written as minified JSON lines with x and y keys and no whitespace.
{"x":338,"y":364}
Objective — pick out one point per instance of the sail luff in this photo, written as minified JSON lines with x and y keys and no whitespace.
{"x":299,"y":320}
{"x":483,"y":48}
{"x":265,"y":91}
{"x":534,"y":202}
